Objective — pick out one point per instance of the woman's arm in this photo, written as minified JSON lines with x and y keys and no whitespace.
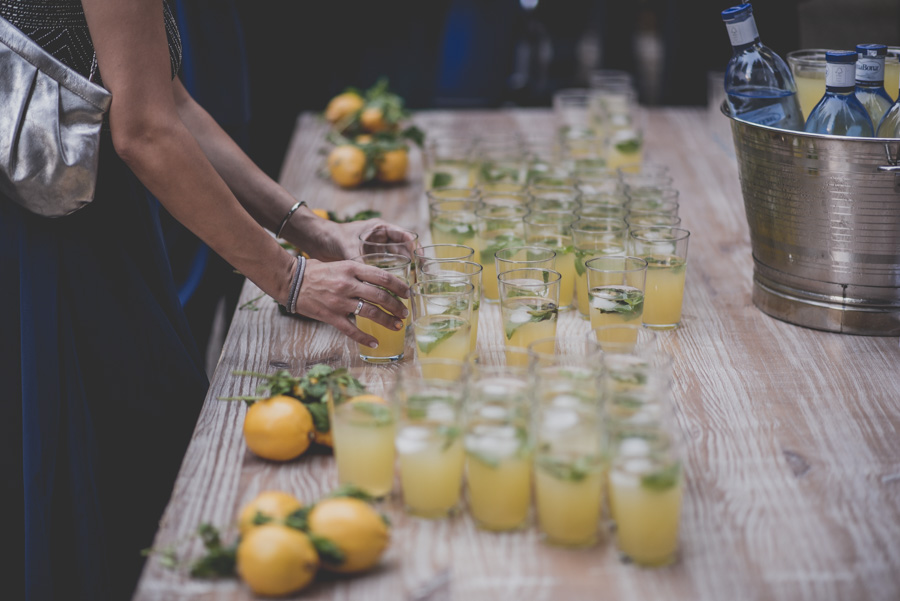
{"x":149,"y":135}
{"x":265,"y":199}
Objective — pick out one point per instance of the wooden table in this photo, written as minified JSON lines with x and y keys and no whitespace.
{"x":792,"y":436}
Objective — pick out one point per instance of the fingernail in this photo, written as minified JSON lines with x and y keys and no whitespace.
{"x":405,"y":313}
{"x":398,"y":325}
{"x":373,"y":344}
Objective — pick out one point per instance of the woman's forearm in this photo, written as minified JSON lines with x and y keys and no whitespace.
{"x":260,"y":195}
{"x":168,"y":160}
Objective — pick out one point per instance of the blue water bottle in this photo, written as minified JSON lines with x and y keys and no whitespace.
{"x":840,"y":113}
{"x":759,"y":85}
{"x":870,"y":81}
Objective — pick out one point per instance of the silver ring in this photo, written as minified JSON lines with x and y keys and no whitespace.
{"x":359,"y":307}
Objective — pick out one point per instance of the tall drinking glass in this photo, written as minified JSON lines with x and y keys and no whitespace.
{"x":429,"y":443}
{"x":464,"y":271}
{"x":569,"y":456}
{"x":553,"y":230}
{"x":442,"y":314}
{"x":616,"y":290}
{"x":529,"y":304}
{"x":594,"y":237}
{"x":499,"y":446}
{"x":665,"y":250}
{"x":453,"y":220}
{"x":391,"y":343}
{"x":498,"y":227}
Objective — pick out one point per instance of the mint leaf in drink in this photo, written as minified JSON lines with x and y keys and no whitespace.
{"x":663,"y":479}
{"x":581,"y":256}
{"x":549,"y":311}
{"x":450,"y":434}
{"x":629,"y":146}
{"x":571,"y":471}
{"x":628,"y":302}
{"x":381,"y":414}
{"x":499,"y":242}
{"x":437,"y":333}
{"x":491,"y":462}
{"x":441,"y":180}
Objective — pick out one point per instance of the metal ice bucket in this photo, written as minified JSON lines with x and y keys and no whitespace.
{"x":824,"y":217}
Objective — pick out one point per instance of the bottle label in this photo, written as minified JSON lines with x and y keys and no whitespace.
{"x":743,"y":32}
{"x":839,"y":76}
{"x":771,"y":115}
{"x":870,"y":69}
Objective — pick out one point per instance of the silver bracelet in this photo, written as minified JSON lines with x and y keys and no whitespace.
{"x":296,"y":282}
{"x":287,"y":217}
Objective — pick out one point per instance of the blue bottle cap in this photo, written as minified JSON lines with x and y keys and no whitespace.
{"x":735,"y":12}
{"x":871,"y":49}
{"x":842,"y":57}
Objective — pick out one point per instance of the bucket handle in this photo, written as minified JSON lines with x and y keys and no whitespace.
{"x":893,"y":166}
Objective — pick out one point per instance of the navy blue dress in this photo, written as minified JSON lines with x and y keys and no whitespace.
{"x":103,"y":385}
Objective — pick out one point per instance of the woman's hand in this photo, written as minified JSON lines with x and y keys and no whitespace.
{"x":338,"y":241}
{"x":331,"y":292}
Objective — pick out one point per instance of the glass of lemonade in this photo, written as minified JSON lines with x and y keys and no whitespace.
{"x":553,"y":230}
{"x":645,"y":489}
{"x":437,"y":253}
{"x":442,"y":314}
{"x":600,"y":205}
{"x":429,"y":443}
{"x":448,"y":163}
{"x":569,"y":454}
{"x":498,"y":441}
{"x":363,"y":428}
{"x":391,"y":343}
{"x":661,"y":200}
{"x":464,"y":271}
{"x":553,"y":198}
{"x":452,"y":215}
{"x":594,"y":237}
{"x":597,"y":180}
{"x":638,"y":218}
{"x":393,"y":241}
{"x":808,"y":67}
{"x":529,"y":304}
{"x":498,"y":227}
{"x":665,"y":250}
{"x":616,"y":290}
{"x":511,"y":198}
{"x":502,"y":162}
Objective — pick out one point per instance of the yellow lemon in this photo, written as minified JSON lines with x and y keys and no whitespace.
{"x":347,"y":165}
{"x":372,"y":120}
{"x":278,"y":428}
{"x":342,"y":106}
{"x":391,"y":166}
{"x":275,"y":560}
{"x":354,"y":527}
{"x":274,"y":504}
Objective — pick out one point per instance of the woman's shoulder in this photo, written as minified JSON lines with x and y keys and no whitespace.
{"x":59,"y":26}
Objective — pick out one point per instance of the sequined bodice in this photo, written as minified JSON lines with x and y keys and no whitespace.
{"x":60,"y":28}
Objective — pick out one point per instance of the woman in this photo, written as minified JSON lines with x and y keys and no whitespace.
{"x":94,"y":340}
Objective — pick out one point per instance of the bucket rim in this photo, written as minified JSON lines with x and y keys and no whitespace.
{"x":725,"y":111}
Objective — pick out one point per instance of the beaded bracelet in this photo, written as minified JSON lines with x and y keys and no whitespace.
{"x":296,"y":282}
{"x":287,"y":217}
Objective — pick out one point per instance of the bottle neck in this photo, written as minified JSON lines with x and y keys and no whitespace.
{"x":743,"y":33}
{"x":870,"y":72}
{"x":840,"y":78}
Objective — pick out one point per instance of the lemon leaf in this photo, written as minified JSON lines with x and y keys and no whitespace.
{"x":354,"y":492}
{"x":328,"y":552}
{"x":663,"y":479}
{"x":298,"y":519}
{"x":219,"y":559}
{"x":319,"y":412}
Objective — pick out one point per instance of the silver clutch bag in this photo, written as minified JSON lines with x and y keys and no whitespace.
{"x":49,"y":128}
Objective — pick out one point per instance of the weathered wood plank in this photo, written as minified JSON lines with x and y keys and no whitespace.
{"x":792,"y":436}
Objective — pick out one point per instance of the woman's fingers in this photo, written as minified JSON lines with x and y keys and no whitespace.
{"x":331,"y":293}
